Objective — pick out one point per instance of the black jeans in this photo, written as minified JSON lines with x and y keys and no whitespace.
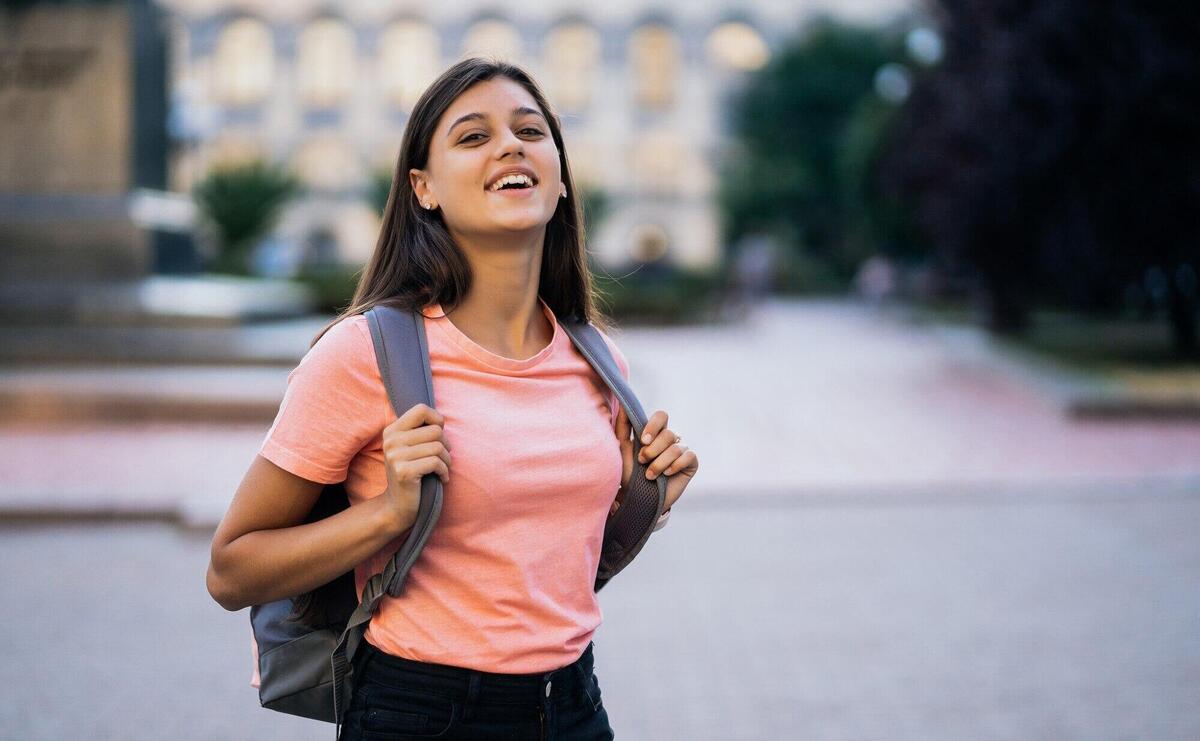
{"x":397,"y":699}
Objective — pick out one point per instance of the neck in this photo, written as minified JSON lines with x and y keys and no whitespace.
{"x":501,"y":311}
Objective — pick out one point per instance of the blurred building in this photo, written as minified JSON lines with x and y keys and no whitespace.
{"x":326,"y":88}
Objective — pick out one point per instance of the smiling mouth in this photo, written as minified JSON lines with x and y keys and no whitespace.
{"x":513,"y":181}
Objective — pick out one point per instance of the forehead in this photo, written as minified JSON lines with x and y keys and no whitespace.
{"x":495,"y":98}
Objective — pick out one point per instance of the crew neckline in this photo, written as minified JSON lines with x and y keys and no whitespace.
{"x":486,"y":356}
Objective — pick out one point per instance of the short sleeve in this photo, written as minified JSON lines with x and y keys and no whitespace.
{"x":335,"y":403}
{"x":623,"y":365}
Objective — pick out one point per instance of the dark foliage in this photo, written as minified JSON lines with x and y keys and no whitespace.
{"x":1056,"y":152}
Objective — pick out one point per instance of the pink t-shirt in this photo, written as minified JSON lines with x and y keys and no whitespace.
{"x":505,"y":581}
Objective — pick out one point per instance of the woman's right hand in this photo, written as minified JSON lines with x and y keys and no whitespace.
{"x":413,"y":445}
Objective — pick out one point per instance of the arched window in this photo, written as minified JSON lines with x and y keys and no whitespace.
{"x":571,"y":57}
{"x":654,"y":63}
{"x":657,"y":163}
{"x":736,"y":46}
{"x":493,"y":38}
{"x":409,"y":59}
{"x":325,"y":63}
{"x":585,"y":161}
{"x":327,"y":162}
{"x":244,"y":63}
{"x":232,"y":147}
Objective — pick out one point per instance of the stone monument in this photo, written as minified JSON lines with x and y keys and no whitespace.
{"x":82,"y":111}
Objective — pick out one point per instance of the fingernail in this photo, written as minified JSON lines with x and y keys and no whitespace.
{"x":649,"y":474}
{"x":646,"y":437}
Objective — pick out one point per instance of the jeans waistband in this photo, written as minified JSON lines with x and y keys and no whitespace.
{"x":377,"y":666}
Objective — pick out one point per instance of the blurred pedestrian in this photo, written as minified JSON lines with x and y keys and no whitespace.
{"x":752,"y":273}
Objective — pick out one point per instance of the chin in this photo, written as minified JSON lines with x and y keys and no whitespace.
{"x":521,"y":223}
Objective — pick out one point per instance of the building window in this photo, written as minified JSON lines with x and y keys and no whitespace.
{"x":325,"y":63}
{"x":571,"y":59}
{"x":244,"y":63}
{"x":409,"y":59}
{"x":233,"y":148}
{"x":654,"y":63}
{"x":657,"y":163}
{"x":493,"y":38}
{"x":584,"y":161}
{"x":736,"y":46}
{"x":327,"y":162}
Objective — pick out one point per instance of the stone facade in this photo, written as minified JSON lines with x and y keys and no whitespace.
{"x":326,"y":89}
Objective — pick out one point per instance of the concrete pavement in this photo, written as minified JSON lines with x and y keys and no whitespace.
{"x":1020,"y":615}
{"x":803,"y":398}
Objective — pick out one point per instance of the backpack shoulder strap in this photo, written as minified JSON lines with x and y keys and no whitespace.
{"x":403,"y":356}
{"x":630,"y":527}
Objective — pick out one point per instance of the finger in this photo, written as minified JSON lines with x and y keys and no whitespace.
{"x":654,"y":425}
{"x":419,"y":414}
{"x":415,"y":470}
{"x":416,"y":452}
{"x":437,"y":465}
{"x":687,"y":461}
{"x":422,"y":434}
{"x":655,"y":448}
{"x":665,"y":459}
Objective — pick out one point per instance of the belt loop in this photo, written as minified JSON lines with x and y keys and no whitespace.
{"x":472,"y":695}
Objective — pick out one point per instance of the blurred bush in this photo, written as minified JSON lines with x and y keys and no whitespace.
{"x":332,"y":285}
{"x":659,"y":294}
{"x":379,"y":188}
{"x":240,"y":204}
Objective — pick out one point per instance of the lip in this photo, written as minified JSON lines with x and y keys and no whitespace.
{"x":519,"y":170}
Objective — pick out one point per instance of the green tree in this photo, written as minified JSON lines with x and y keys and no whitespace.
{"x":242,"y":203}
{"x":1052,"y":156}
{"x":805,"y":132}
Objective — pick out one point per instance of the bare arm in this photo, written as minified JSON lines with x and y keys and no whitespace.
{"x":262,"y":552}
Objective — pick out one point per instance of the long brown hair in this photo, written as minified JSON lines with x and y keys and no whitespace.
{"x":416,"y":261}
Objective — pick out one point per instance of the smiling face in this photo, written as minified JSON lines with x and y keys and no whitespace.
{"x":493,"y":128}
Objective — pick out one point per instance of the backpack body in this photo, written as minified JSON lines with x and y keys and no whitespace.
{"x":305,"y":667}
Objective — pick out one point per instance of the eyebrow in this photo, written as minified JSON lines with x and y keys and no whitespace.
{"x":518,"y":111}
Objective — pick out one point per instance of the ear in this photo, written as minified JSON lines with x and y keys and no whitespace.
{"x":420,"y":186}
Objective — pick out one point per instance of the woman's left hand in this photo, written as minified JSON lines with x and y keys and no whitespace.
{"x":662,"y":448}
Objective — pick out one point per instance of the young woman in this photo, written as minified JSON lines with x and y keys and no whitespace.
{"x":491,"y":638}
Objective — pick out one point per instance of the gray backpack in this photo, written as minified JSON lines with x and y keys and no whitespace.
{"x":306,"y":665}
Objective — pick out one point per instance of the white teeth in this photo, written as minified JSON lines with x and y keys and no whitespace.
{"x":515,"y":178}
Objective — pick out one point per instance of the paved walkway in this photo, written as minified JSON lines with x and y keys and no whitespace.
{"x":1047,"y":617}
{"x":804,"y":398}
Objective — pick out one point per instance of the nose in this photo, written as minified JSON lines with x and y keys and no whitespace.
{"x":511,"y":143}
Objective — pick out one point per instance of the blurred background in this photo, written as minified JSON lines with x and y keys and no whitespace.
{"x":917,"y":280}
